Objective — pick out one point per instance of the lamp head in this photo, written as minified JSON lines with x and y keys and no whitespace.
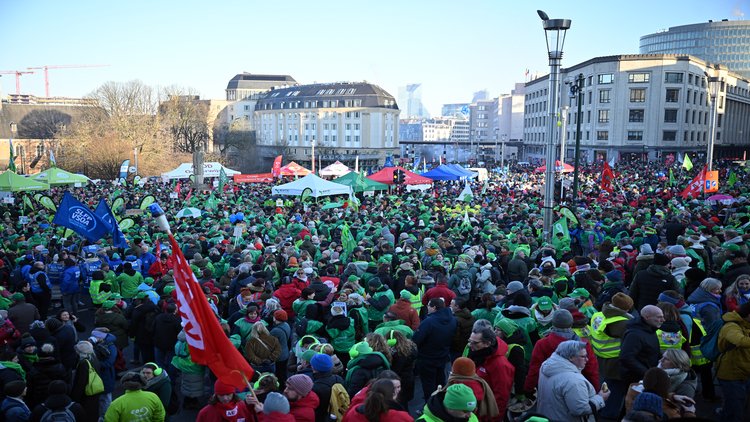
{"x":542,"y":15}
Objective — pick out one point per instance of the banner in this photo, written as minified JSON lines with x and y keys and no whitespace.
{"x":275,"y":170}
{"x":12,"y":159}
{"x":561,"y":226}
{"x":347,"y":241}
{"x":52,"y":161}
{"x":254,"y":178}
{"x":79,"y":218}
{"x":205,"y":338}
{"x":607,"y":177}
{"x":712,"y":181}
{"x":124,"y":170}
{"x":687,"y":164}
{"x":146,"y":201}
{"x":223,"y":179}
{"x":102,"y":211}
{"x":694,"y":187}
{"x":47,"y":202}
{"x":732,"y":179}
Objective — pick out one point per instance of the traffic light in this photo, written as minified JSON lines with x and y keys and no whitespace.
{"x":401,"y":177}
{"x":395,"y":177}
{"x":398,"y":177}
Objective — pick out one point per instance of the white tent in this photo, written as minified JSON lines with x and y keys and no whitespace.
{"x":318,"y":187}
{"x":336,"y":169}
{"x":184,"y":170}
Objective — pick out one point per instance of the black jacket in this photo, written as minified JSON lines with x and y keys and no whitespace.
{"x":166,"y":328}
{"x":435,"y":335}
{"x":58,"y":402}
{"x":734,"y":271}
{"x":464,"y":324}
{"x":639,"y":350}
{"x":322,"y":384}
{"x":648,"y":284}
{"x":142,"y":324}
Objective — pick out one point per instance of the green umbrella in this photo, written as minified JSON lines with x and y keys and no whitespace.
{"x":57,"y":176}
{"x":359,"y":182}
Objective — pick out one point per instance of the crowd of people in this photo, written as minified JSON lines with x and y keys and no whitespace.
{"x":351,"y":311}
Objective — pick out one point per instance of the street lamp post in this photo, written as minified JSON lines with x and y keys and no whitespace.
{"x":313,"y":155}
{"x":714,"y":82}
{"x":13,"y":129}
{"x":554,"y":33}
{"x":502,"y":152}
{"x":579,"y":116}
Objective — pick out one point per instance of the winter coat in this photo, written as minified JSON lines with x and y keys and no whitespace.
{"x":322,"y":384}
{"x":362,"y":369}
{"x":517,"y":269}
{"x":58,"y":402}
{"x":166,"y":328}
{"x":66,"y":337}
{"x":563,"y":393}
{"x":136,"y":405}
{"x":117,"y":325}
{"x":440,"y":290}
{"x":357,"y":414}
{"x":129,"y":284}
{"x":648,"y":284}
{"x":273,"y":416}
{"x":161,"y":386}
{"x":107,"y":366}
{"x":43,"y":372}
{"x":464,"y":324}
{"x":734,"y":271}
{"x":545,"y":348}
{"x":712,"y":308}
{"x":287,"y":294}
{"x":70,"y":277}
{"x":639,"y":351}
{"x":262,"y":349}
{"x":78,"y":389}
{"x":142,"y":322}
{"x":404,"y":367}
{"x":435,"y":336}
{"x":610,"y":368}
{"x":303,"y":409}
{"x":14,"y":410}
{"x":283,"y":334}
{"x":498,"y":373}
{"x":341,"y":330}
{"x":22,"y":315}
{"x":734,"y":365}
{"x":404,"y":311}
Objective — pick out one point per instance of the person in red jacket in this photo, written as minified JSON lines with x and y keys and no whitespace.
{"x":562,"y":323}
{"x":287,"y":293}
{"x":224,"y":405}
{"x":275,"y":408}
{"x":380,"y":404}
{"x":440,"y":290}
{"x":488,"y":353}
{"x":404,"y":311}
{"x":302,"y":400}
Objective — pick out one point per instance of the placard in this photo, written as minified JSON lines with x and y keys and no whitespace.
{"x":341,"y":304}
{"x":238,"y":230}
{"x":9,"y":200}
{"x":173,"y":195}
{"x":23,"y":220}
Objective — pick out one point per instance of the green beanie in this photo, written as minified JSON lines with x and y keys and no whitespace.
{"x":360,"y":348}
{"x":506,"y":325}
{"x":405,"y":294}
{"x":460,"y":397}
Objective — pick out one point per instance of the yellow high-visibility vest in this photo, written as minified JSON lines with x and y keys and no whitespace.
{"x":604,"y":346}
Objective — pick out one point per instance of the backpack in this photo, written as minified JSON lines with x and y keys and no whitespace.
{"x":63,"y":415}
{"x":101,"y":350}
{"x":710,"y":342}
{"x":339,"y":403}
{"x":464,"y":285}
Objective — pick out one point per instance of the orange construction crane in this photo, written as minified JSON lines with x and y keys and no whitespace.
{"x":62,"y":66}
{"x":18,"y":74}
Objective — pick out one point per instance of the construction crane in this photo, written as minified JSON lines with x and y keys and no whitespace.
{"x":61,"y":66}
{"x":18,"y":74}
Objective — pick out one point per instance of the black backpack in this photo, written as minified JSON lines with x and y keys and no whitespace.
{"x":62,"y":415}
{"x":101,"y":350}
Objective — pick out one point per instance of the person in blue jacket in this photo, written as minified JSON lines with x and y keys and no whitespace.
{"x":69,"y":286}
{"x":433,"y":339}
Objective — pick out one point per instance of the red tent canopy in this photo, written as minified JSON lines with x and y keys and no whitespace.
{"x":566,"y":168}
{"x":386,"y":176}
{"x":294,"y":169}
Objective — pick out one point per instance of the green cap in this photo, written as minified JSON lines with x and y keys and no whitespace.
{"x":580,"y":292}
{"x":544,"y":304}
{"x":108,"y":304}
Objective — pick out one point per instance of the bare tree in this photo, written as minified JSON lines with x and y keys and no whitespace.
{"x":185,"y":117}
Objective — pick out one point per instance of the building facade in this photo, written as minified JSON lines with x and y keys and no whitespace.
{"x":431,"y":139}
{"x":643,"y":105}
{"x":345,"y":120}
{"x":725,"y":42}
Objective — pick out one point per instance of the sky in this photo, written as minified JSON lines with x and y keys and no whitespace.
{"x":452,"y":48}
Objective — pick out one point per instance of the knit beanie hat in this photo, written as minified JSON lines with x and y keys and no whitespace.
{"x":514,"y":286}
{"x":646,"y":249}
{"x":321,"y":362}
{"x":308,"y":354}
{"x":668,"y":299}
{"x":300,"y":384}
{"x":568,"y":303}
{"x":14,"y":388}
{"x":649,"y":402}
{"x":506,"y":325}
{"x":464,"y":366}
{"x":275,"y":402}
{"x":281,"y":315}
{"x":657,"y":381}
{"x":622,"y":301}
{"x":562,"y":318}
{"x":221,"y":388}
{"x":680,"y":262}
{"x":360,"y":348}
{"x":614,"y":275}
{"x":84,"y":347}
{"x":460,"y":397}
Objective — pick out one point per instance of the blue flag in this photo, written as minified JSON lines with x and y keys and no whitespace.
{"x":79,"y":218}
{"x":102,"y":211}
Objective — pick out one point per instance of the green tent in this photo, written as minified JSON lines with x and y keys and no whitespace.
{"x":359,"y":182}
{"x":57,"y":176}
{"x":12,"y":182}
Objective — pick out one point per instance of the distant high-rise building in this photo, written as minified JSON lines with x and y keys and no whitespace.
{"x":482,"y":95}
{"x":726,"y":42}
{"x":410,"y":100}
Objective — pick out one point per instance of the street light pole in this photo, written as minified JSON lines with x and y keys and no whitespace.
{"x":554,"y":33}
{"x":579,"y":117}
{"x":713,"y":82}
{"x":502,"y":153}
{"x":313,"y":155}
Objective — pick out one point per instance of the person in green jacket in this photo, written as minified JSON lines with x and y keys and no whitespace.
{"x":341,"y":330}
{"x":129,"y":281}
{"x":380,"y":299}
{"x":135,"y":404}
{"x":299,"y":306}
{"x":390,"y":323}
{"x":455,"y":403}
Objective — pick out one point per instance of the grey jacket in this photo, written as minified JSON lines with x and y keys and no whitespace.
{"x":563,"y":393}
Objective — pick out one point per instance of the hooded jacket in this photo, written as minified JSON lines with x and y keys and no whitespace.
{"x":639,"y":351}
{"x":362,"y":369}
{"x":404,"y":311}
{"x":57,"y":402}
{"x":734,"y":365}
{"x":648,"y":284}
{"x":394,"y":414}
{"x":136,"y":402}
{"x":545,"y":348}
{"x":563,"y":393}
{"x":498,"y":373}
{"x":303,"y":409}
{"x":434,"y":336}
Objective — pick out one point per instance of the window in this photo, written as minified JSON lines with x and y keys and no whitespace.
{"x":673,"y":77}
{"x":670,"y":115}
{"x":603,"y":116}
{"x":602,"y":135}
{"x":635,"y":135}
{"x":604,"y":95}
{"x":637,"y":95}
{"x":673,"y":95}
{"x":639,"y":78}
{"x":606,"y":78}
{"x":636,"y":115}
{"x":669,"y":135}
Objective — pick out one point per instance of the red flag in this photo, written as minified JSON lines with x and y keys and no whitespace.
{"x":276,"y":169}
{"x":189,"y":195}
{"x":157,"y":248}
{"x":177,"y":189}
{"x":206,"y":339}
{"x":695,"y":186}
{"x":607,"y":177}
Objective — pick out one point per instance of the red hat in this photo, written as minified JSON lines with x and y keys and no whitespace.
{"x":464,"y":366}
{"x":280,"y":315}
{"x":222,"y":388}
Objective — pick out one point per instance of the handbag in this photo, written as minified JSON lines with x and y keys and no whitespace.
{"x":95,"y":385}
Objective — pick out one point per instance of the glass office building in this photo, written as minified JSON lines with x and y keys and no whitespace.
{"x":725,"y":42}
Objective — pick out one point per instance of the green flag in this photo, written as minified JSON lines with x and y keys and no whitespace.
{"x":347,"y":240}
{"x":671,"y":178}
{"x":222,"y":179}
{"x":732,"y":179}
{"x":27,"y":202}
{"x":687,"y":164}
{"x":12,"y":159}
{"x":561,"y":226}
